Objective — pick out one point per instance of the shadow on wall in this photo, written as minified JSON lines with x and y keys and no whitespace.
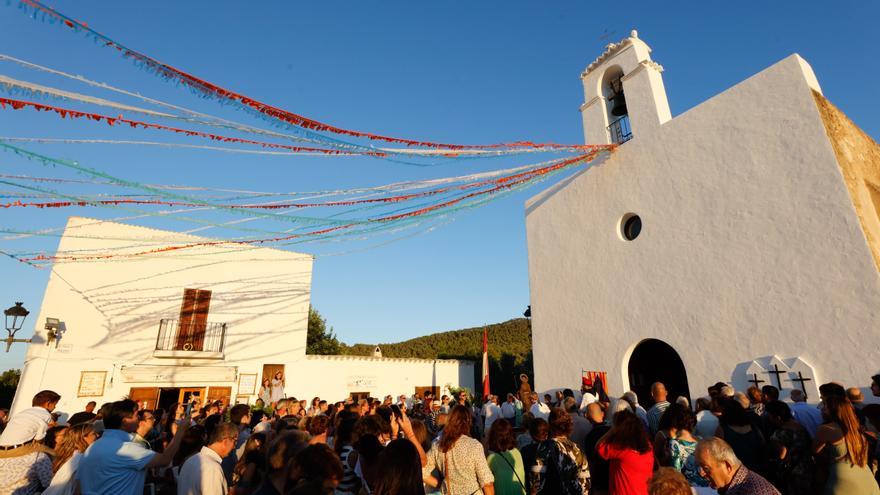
{"x":135,"y":307}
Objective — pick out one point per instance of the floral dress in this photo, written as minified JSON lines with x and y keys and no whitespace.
{"x":560,"y":467}
{"x":683,"y":459}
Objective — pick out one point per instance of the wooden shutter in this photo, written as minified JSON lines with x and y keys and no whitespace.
{"x":146,"y":397}
{"x":193,"y":319}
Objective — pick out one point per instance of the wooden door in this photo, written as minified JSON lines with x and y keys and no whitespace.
{"x":190,"y":394}
{"x":146,"y":397}
{"x":269,"y":371}
{"x":193,"y":319}
{"x":220,"y":393}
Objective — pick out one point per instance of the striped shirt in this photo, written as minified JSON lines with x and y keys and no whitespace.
{"x":654,"y":416}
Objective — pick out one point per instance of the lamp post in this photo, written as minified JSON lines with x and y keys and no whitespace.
{"x":14,"y":320}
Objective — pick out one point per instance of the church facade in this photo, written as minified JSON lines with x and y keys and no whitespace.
{"x":208,"y":322}
{"x":737,"y":242}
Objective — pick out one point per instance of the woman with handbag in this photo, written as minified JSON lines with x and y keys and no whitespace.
{"x":459,"y":459}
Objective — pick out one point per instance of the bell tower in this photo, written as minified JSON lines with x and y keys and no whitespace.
{"x":624,"y":95}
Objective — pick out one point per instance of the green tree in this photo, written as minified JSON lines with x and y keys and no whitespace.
{"x":320,"y":339}
{"x":8,"y":384}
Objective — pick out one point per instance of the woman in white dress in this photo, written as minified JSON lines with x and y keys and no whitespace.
{"x":278,"y":387}
{"x":68,"y":455}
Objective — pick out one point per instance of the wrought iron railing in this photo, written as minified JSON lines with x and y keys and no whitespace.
{"x":192,"y":337}
{"x":620,"y":130}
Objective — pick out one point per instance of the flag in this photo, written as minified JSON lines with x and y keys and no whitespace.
{"x":485,"y":362}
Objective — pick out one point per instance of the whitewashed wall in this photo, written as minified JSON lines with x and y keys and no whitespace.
{"x":750,"y":247}
{"x":334,"y":377}
{"x":111,"y":311}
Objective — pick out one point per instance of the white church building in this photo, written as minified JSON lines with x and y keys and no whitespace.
{"x":209,"y":321}
{"x":737,"y":242}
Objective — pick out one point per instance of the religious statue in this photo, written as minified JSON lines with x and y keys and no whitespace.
{"x":525,"y":391}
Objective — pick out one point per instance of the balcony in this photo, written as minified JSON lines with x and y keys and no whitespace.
{"x":620,"y":131}
{"x":195,"y":340}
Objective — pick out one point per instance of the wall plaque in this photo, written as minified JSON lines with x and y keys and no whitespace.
{"x":247,"y":384}
{"x":91,"y":384}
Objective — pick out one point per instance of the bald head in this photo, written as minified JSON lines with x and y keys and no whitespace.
{"x":658,"y":392}
{"x":797,"y":396}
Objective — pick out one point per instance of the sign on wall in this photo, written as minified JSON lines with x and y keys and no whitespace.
{"x":247,"y":384}
{"x":361,"y":382}
{"x":91,"y":384}
{"x":183,"y":375}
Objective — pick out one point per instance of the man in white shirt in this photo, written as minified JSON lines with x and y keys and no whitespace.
{"x":508,"y":409}
{"x":202,"y":473}
{"x":491,"y":412}
{"x":807,"y":415}
{"x":24,"y":465}
{"x":31,"y":423}
{"x":114,"y":464}
{"x":539,"y":409}
{"x":586,"y":398}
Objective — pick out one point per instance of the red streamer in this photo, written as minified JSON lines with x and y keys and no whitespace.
{"x":500,"y":184}
{"x":75,"y":114}
{"x":211,"y":89}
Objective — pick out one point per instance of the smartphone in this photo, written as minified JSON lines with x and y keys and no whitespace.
{"x":396,"y":410}
{"x":189,"y":409}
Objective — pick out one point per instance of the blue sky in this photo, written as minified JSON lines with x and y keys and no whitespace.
{"x":464,"y":72}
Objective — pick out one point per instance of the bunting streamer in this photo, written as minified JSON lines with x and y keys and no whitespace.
{"x":214,"y":91}
{"x":279,"y":206}
{"x":302,"y":135}
{"x":335,"y":215}
{"x":478,"y":190}
{"x":158,"y":145}
{"x":66,"y":112}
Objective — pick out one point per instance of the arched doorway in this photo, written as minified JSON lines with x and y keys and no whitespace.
{"x":656,"y":361}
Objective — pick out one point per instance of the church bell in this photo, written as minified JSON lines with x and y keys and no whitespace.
{"x":618,"y":109}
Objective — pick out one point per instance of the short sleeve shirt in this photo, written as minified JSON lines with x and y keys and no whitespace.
{"x":463,"y":467}
{"x":114,"y":464}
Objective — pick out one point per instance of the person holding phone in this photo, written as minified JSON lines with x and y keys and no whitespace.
{"x":114,"y":464}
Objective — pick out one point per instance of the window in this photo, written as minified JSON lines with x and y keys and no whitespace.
{"x":630,"y":226}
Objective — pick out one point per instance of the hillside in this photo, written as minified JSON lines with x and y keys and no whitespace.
{"x":511,"y":337}
{"x":510,"y":350}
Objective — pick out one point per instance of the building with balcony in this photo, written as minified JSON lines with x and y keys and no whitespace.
{"x":736,"y":242}
{"x":207,"y":322}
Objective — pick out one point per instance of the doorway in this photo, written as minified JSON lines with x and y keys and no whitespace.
{"x":656,"y":361}
{"x":357,"y":396}
{"x":170,"y":395}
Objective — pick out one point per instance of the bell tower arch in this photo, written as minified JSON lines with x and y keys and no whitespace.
{"x":624,"y":94}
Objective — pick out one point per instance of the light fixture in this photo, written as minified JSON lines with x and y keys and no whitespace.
{"x":14,"y":320}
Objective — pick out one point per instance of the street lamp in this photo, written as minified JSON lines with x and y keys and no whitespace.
{"x":14,"y":320}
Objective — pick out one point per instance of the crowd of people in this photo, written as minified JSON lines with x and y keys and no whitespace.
{"x":731,"y":443}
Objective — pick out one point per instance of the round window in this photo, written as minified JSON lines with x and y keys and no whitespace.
{"x":630,"y":226}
